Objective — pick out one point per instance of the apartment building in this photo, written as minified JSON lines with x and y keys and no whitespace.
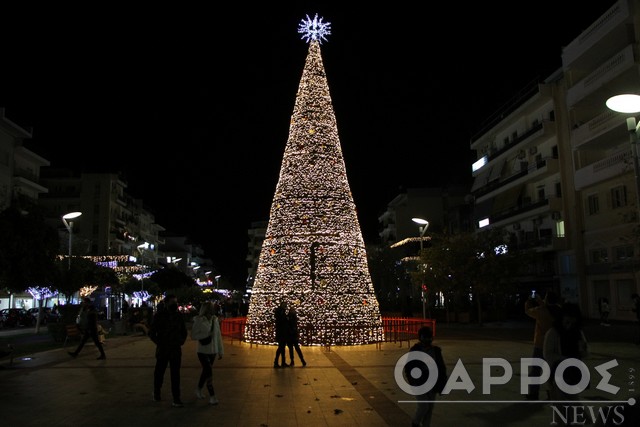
{"x":112,"y":222}
{"x":19,"y":167}
{"x":554,"y":170}
{"x":441,"y":206}
{"x":602,"y":62}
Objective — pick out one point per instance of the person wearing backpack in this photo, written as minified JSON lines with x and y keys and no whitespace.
{"x":425,"y":401}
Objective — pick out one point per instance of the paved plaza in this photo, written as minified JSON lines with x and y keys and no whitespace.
{"x":340,"y":386}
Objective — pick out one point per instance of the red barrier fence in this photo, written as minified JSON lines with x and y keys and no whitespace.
{"x":395,"y":329}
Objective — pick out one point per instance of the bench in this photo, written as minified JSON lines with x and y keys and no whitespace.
{"x":72,"y":332}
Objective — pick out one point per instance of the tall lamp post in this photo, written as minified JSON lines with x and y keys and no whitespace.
{"x":141,"y":249}
{"x":67,"y":219}
{"x":630,"y":104}
{"x":423,"y":225}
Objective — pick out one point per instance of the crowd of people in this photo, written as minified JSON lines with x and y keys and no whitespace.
{"x":558,"y":336}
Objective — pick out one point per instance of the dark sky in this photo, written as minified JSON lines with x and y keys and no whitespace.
{"x":193,"y":103}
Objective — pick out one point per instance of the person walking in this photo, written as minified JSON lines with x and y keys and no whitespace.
{"x":282,"y":333}
{"x":544,"y":313}
{"x":292,"y":339}
{"x":169,"y":332}
{"x":124,"y":315}
{"x":604,"y":309}
{"x":206,"y":330}
{"x":564,"y":340}
{"x":88,"y":325}
{"x":425,"y":400}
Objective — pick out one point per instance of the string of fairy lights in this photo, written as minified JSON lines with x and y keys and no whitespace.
{"x":313,"y":256}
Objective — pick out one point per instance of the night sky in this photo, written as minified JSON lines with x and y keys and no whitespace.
{"x":193,"y":104}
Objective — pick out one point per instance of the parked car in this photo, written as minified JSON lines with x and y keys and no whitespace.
{"x":16,"y":317}
{"x":47,"y":315}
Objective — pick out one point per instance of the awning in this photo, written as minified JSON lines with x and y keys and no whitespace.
{"x":496,"y":170}
{"x":481,"y":179}
{"x":506,"y":200}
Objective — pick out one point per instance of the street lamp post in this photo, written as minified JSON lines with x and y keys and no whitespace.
{"x":423,"y":225}
{"x":630,"y":104}
{"x":66,"y":219}
{"x":141,"y":249}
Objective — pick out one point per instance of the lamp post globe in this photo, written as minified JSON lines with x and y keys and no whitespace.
{"x":67,"y":219}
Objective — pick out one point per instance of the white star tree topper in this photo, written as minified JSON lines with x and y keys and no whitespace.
{"x":314,"y":29}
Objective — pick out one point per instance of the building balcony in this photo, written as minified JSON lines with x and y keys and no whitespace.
{"x":599,"y":36}
{"x":533,"y":171}
{"x":616,"y":164}
{"x":600,"y":133}
{"x":520,"y":209}
{"x":600,"y":79}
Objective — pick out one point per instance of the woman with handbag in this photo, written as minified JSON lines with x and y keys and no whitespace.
{"x":206,"y":329}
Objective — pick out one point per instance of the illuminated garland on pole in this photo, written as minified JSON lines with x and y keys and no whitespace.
{"x":313,"y":255}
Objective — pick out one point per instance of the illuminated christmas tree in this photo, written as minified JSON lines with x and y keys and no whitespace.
{"x":313,"y":256}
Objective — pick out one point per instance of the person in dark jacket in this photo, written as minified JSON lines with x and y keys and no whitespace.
{"x":282,"y":333}
{"x":426,"y":400}
{"x":169,"y":332}
{"x":88,"y":324}
{"x":292,"y":339}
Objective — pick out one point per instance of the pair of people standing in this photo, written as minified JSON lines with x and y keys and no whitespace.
{"x":286,"y":324}
{"x":206,"y":330}
{"x":565,"y":340}
{"x":558,"y":336}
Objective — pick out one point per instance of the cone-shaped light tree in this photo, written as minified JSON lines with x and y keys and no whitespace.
{"x":313,"y":256}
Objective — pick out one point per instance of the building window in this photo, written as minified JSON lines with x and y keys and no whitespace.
{"x":623,"y":253}
{"x":599,"y":256}
{"x":625,"y":288}
{"x":618,"y":197}
{"x":560,"y":228}
{"x":593,"y":205}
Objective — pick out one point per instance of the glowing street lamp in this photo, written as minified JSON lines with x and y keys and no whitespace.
{"x":423,"y":225}
{"x":630,"y":104}
{"x":66,"y":218}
